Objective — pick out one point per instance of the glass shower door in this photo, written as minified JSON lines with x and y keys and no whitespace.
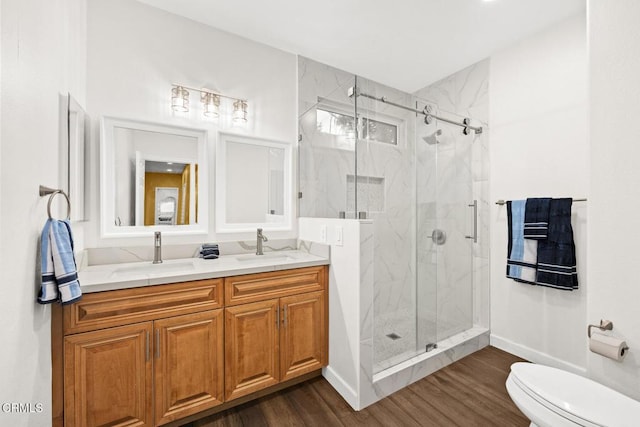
{"x":430,"y":236}
{"x":445,"y":245}
{"x":326,"y":141}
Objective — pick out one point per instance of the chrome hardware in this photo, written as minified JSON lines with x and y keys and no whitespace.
{"x":429,"y":116}
{"x":504,"y":202}
{"x":438,"y":236}
{"x":467,"y":123}
{"x":259,"y":239}
{"x":474,"y":205}
{"x":52,"y":192}
{"x":278,"y":317}
{"x":605,"y":325}
{"x":285,"y":316}
{"x":157,"y":343}
{"x":157,"y":248}
{"x":147,"y":348}
{"x":428,"y":119}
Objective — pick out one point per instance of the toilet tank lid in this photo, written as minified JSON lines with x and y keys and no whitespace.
{"x":579,"y":396}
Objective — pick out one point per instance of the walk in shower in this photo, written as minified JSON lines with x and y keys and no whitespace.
{"x":410,"y":169}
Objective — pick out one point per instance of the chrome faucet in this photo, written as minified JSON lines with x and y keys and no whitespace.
{"x":259,"y":239}
{"x":157,"y":248}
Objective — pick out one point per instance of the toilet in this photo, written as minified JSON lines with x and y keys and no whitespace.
{"x":551,"y":397}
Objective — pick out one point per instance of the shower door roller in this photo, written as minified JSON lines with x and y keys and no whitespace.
{"x":439,"y":237}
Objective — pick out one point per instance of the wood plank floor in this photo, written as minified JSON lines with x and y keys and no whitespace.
{"x":470,"y":392}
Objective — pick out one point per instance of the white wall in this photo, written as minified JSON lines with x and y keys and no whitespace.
{"x":345,"y":290}
{"x":539,"y":147}
{"x":43,"y":55}
{"x":136,"y":52}
{"x":614,"y":290}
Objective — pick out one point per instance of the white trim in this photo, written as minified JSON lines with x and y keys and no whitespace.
{"x":336,"y":381}
{"x":534,"y":356}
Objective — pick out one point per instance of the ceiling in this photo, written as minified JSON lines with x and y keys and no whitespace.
{"x":406,"y":44}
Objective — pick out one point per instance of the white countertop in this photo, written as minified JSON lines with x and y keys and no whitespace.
{"x":97,"y":278}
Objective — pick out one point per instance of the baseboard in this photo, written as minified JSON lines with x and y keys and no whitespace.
{"x":535,"y":356}
{"x":336,"y":381}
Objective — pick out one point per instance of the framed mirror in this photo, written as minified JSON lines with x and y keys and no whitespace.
{"x":153,"y":177}
{"x":77,"y":123}
{"x":253,"y":184}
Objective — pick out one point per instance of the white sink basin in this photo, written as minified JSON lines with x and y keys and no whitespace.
{"x":149,"y":268}
{"x":272,"y":256}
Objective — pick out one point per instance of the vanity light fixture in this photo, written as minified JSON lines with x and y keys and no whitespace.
{"x":239,"y":112}
{"x":179,"y":99}
{"x":210,"y":103}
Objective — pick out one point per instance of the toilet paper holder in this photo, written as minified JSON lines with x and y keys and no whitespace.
{"x":605,"y":325}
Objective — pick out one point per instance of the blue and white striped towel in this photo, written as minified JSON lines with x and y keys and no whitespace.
{"x":522,"y":253}
{"x":59,"y":274}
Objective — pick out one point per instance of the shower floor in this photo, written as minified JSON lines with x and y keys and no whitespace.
{"x":395,"y":339}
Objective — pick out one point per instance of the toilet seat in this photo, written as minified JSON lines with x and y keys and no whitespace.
{"x":571,"y":399}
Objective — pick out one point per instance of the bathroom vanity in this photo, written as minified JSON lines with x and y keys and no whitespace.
{"x":144,"y":354}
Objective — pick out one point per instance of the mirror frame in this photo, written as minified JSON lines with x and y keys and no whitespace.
{"x":108,"y":180}
{"x":77,"y":126}
{"x":222,"y":225}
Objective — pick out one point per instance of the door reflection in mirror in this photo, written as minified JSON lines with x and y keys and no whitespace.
{"x":146,"y":163}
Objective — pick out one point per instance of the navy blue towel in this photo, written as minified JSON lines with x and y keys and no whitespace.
{"x":536,"y":218}
{"x":557,"y":253}
{"x":209,"y":251}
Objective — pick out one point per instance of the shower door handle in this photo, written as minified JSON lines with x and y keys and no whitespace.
{"x":474,"y":205}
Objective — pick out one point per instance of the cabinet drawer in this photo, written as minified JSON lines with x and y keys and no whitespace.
{"x":114,"y":308}
{"x":274,"y":284}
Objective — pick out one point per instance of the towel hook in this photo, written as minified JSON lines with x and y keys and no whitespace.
{"x":44,"y":191}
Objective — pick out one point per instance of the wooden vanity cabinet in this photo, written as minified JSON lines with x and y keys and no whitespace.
{"x":251,"y":348}
{"x":146,"y":373}
{"x":155,"y":355}
{"x":188,"y":364}
{"x":274,"y":339}
{"x":108,"y":377}
{"x":303,"y":335}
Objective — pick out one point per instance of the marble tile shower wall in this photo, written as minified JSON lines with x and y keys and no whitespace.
{"x":466,"y":94}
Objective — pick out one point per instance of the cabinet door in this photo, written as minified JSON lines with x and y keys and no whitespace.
{"x":188,"y":363}
{"x":107,"y":377}
{"x":303,"y":342}
{"x":251,"y":348}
